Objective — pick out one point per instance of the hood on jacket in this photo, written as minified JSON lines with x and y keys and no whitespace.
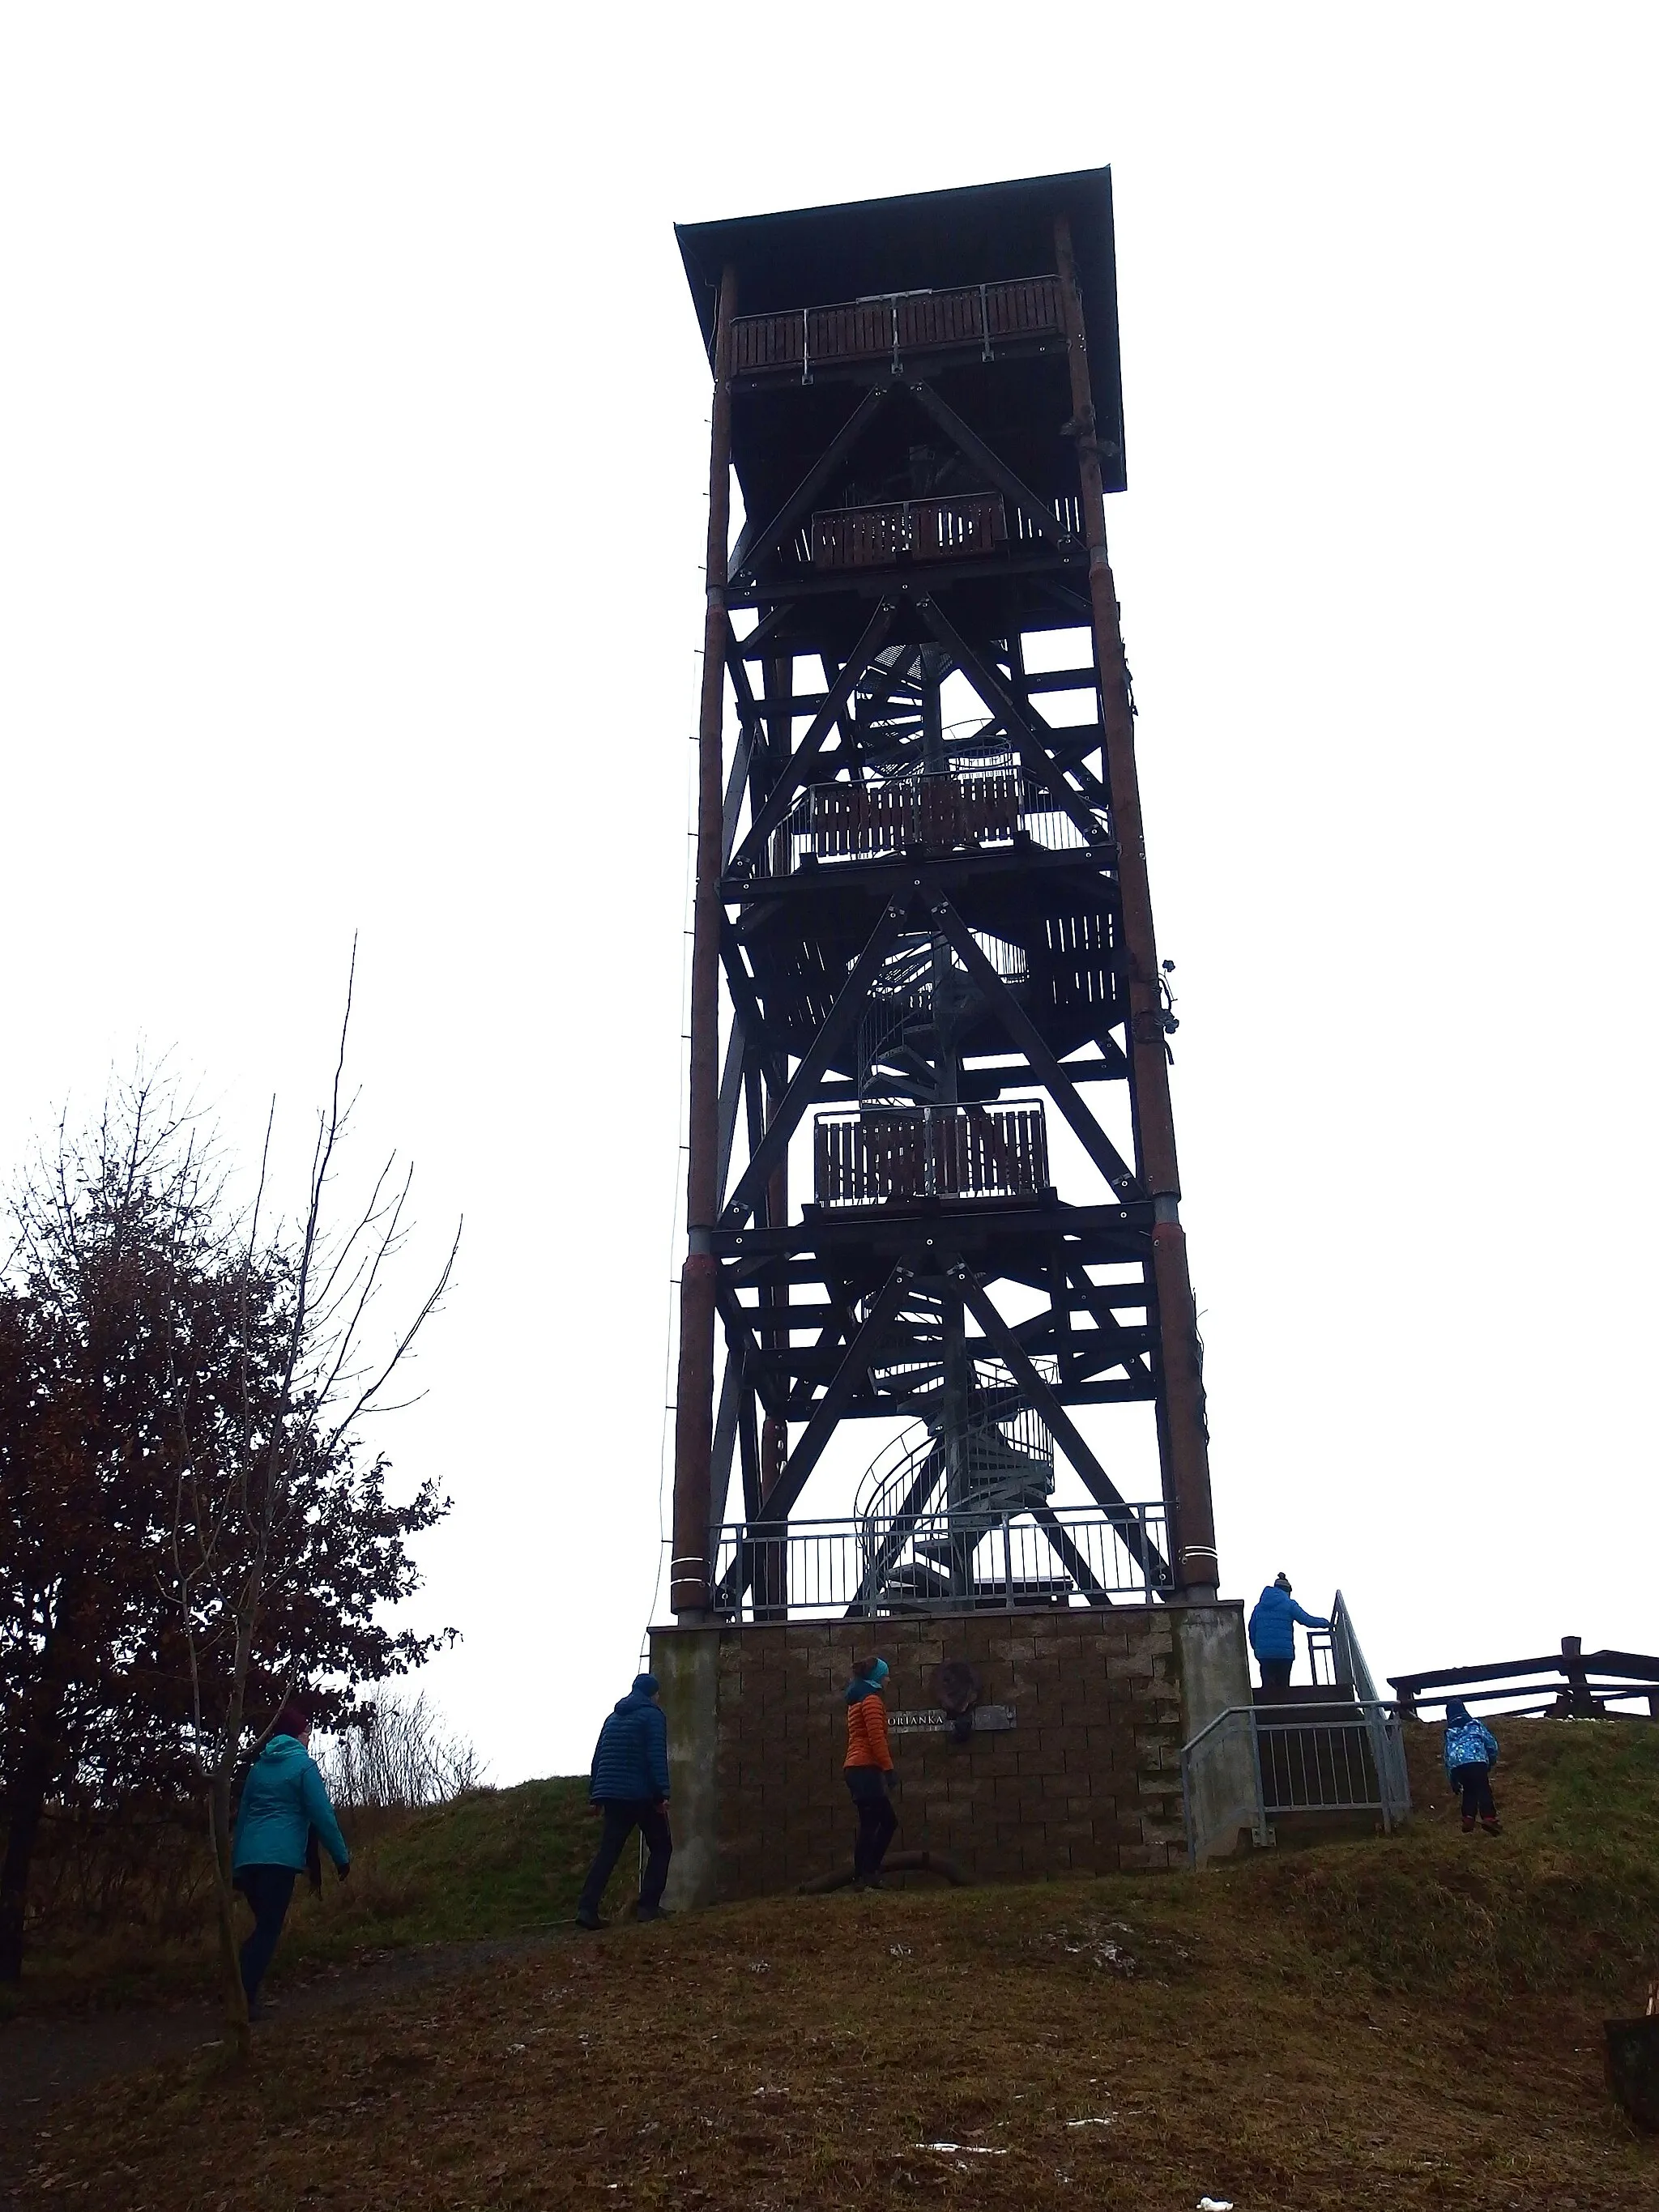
{"x":635,"y":1697}
{"x":1457,"y":1713}
{"x":279,"y":1747}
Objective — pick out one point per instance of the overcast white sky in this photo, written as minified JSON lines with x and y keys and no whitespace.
{"x":352,"y":460}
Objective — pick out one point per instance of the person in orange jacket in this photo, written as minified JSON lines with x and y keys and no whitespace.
{"x":869,"y":1770}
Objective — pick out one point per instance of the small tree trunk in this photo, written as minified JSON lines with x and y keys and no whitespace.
{"x":238,"y":2034}
{"x":25,"y":1804}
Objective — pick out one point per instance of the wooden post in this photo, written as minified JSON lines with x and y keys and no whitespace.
{"x":1183,"y":1440}
{"x":694,"y":1398}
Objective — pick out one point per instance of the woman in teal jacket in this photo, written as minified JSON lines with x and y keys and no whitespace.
{"x":283,"y":1799}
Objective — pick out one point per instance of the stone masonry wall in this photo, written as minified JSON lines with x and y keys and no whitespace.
{"x":1087,"y":1781}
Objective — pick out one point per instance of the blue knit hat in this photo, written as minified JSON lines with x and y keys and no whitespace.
{"x":646,"y":1685}
{"x":877,"y":1670}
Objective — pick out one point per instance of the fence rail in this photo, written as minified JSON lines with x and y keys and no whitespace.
{"x":940,"y":1561}
{"x":1573,"y":1684}
{"x":897,"y":323}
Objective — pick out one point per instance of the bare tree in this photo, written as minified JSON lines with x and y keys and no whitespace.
{"x":305,"y":1378}
{"x":401,"y":1755}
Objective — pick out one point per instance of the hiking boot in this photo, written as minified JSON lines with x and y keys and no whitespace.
{"x":591,"y":1920}
{"x":1468,"y":1824}
{"x":1491,"y":1827}
{"x":653,"y":1913}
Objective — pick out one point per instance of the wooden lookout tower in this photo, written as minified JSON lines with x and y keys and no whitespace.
{"x":924,"y":959}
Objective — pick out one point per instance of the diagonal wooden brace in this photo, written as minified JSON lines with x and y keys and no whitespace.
{"x":1036,"y":756}
{"x":781,"y":1498}
{"x":1025,"y":1036}
{"x":1122,"y":1514}
{"x":973,"y":447}
{"x":803,"y":1084}
{"x":758,"y":540}
{"x":800,"y":761}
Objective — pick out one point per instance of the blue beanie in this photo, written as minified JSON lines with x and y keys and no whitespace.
{"x":878,"y":1671}
{"x":646,"y":1685}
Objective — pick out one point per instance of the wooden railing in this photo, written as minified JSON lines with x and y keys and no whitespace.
{"x":935,"y":1151}
{"x":909,"y":530}
{"x":938,"y":813}
{"x":897,"y":323}
{"x":966,"y":811}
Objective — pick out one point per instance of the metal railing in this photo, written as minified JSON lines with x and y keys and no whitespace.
{"x":886,"y":1156}
{"x":994,"y":1449}
{"x":976,"y":808}
{"x":1348,"y":1756}
{"x":1337,"y":1661}
{"x":931,"y":1562}
{"x":895,"y":324}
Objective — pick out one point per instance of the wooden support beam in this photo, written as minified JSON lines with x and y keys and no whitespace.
{"x":1130,"y":1529}
{"x":758,"y":540}
{"x":1025,"y":1036}
{"x":800,"y":761}
{"x":854,"y":1368}
{"x":969,"y":443}
{"x":725,"y":1430}
{"x":803,"y":1085}
{"x":1028,"y":737}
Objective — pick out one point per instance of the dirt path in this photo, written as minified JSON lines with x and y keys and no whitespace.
{"x":44,"y":2059}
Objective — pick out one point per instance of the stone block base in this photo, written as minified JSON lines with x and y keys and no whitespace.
{"x":1086,"y":1781}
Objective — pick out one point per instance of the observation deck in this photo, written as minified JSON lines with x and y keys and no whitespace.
{"x":1018,"y":314}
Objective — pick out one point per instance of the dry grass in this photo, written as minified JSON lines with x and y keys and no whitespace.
{"x":494,"y":1863}
{"x":1375,"y":2024}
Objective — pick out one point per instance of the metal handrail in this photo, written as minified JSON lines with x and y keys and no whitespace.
{"x":1317,"y":1772}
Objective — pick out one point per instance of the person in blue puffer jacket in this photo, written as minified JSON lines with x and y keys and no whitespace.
{"x":284,"y":1800}
{"x":1471,"y":1755}
{"x":1273,"y":1631}
{"x":629,"y":1785}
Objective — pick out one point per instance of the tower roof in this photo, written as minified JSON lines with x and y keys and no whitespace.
{"x":921,"y":241}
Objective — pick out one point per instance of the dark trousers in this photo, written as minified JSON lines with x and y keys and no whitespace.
{"x":622,"y":1816}
{"x":877,"y":1820}
{"x":1276,"y":1673}
{"x":1475,"y":1782}
{"x":268,"y":1890}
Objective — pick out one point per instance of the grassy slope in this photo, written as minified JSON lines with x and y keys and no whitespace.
{"x":500,"y":1862}
{"x":1385,"y":2023}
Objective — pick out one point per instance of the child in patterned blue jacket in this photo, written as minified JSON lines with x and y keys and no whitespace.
{"x":1471,"y":1755}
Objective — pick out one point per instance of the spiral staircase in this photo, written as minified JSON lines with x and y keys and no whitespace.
{"x":927,"y":1501}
